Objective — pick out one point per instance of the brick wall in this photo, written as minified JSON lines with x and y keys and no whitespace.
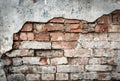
{"x":66,"y":49}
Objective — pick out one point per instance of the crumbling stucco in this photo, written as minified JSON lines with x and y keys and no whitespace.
{"x":14,"y":13}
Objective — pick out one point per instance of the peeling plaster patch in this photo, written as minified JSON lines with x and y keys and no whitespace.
{"x":13,"y":14}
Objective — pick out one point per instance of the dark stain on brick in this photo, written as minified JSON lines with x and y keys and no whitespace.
{"x":43,"y":60}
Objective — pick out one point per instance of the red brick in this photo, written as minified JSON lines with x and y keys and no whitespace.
{"x":57,"y":36}
{"x":44,"y":60}
{"x":27,"y":27}
{"x":73,"y":28}
{"x":71,"y":36}
{"x":42,"y":37}
{"x":116,"y":17}
{"x":58,"y":20}
{"x":104,"y":19}
{"x":38,"y":28}
{"x":64,"y":45}
{"x":16,"y":45}
{"x":71,"y":21}
{"x":15,"y":36}
{"x":23,"y":36}
{"x":53,"y":27}
{"x":30,"y":36}
{"x":102,"y":28}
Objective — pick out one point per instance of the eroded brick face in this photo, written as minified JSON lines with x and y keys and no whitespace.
{"x":66,"y":50}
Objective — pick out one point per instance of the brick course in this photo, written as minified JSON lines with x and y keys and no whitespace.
{"x":66,"y":50}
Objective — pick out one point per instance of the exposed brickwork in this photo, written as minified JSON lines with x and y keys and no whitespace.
{"x":66,"y":50}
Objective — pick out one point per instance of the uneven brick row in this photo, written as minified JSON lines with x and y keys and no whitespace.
{"x":66,"y":50}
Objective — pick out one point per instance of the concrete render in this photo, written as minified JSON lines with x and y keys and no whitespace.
{"x":14,"y":13}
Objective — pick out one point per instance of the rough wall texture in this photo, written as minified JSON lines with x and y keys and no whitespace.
{"x":14,"y":13}
{"x":66,"y":50}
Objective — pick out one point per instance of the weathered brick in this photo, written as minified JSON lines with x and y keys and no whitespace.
{"x":77,"y":53}
{"x":61,"y":76}
{"x":86,"y":37}
{"x":47,"y":76}
{"x":101,"y":44}
{"x":100,"y":36}
{"x":116,"y":76}
{"x":71,"y":37}
{"x":15,"y":53}
{"x":53,"y":27}
{"x":59,"y":60}
{"x":35,"y":45}
{"x":27,"y":27}
{"x":38,"y":27}
{"x":95,"y":44}
{"x":16,"y":45}
{"x":76,"y":76}
{"x":117,"y":57}
{"x":35,"y":60}
{"x":77,"y":61}
{"x":114,"y":28}
{"x":20,"y":69}
{"x":90,"y":75}
{"x":103,"y":52}
{"x":73,"y":21}
{"x":42,"y":37}
{"x":30,"y":36}
{"x":98,"y":61}
{"x":33,"y":76}
{"x":2,"y":75}
{"x":116,"y":17}
{"x":6,"y":61}
{"x":23,"y":36}
{"x":112,"y":61}
{"x":104,"y":76}
{"x":48,"y":69}
{"x":70,"y":68}
{"x":63,"y":45}
{"x":15,"y":36}
{"x":64,"y":37}
{"x":50,"y":53}
{"x":73,"y":28}
{"x":57,"y":20}
{"x":115,"y":45}
{"x":16,"y":77}
{"x":114,"y":36}
{"x":98,"y":67}
{"x":105,"y":19}
{"x":102,"y":28}
{"x":17,"y":61}
{"x":57,"y":36}
{"x":118,"y":68}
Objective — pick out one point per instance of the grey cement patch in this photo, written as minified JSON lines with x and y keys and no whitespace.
{"x":14,"y":13}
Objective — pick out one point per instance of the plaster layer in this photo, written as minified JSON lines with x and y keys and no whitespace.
{"x":14,"y":13}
